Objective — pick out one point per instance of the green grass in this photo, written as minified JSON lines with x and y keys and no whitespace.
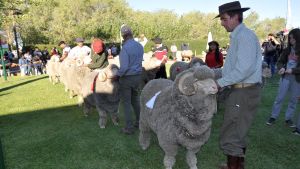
{"x":41,"y":128}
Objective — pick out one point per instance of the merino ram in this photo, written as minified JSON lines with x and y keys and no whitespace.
{"x":100,"y":90}
{"x":179,"y":113}
{"x":180,"y":66}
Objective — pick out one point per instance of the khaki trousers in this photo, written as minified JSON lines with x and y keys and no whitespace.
{"x":240,"y":108}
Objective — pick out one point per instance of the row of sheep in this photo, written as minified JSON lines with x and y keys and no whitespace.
{"x":182,"y":111}
{"x":178,"y":110}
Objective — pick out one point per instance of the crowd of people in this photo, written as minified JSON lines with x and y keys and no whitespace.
{"x":241,"y":74}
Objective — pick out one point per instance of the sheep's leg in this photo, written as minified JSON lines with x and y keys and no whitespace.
{"x":80,"y":100}
{"x":191,"y":159}
{"x":86,"y":109}
{"x":144,"y":137}
{"x":102,"y":117}
{"x":115,"y":118}
{"x":170,"y":150}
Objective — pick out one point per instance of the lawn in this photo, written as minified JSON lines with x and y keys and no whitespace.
{"x":41,"y":128}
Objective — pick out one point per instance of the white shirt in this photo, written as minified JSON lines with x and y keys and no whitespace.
{"x":83,"y":52}
{"x":66,"y":49}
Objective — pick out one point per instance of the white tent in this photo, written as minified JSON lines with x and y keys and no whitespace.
{"x":289,"y":23}
{"x":209,"y":39}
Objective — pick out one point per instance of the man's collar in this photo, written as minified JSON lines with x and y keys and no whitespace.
{"x":236,"y":30}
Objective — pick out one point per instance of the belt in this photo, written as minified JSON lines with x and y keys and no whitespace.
{"x":243,"y":85}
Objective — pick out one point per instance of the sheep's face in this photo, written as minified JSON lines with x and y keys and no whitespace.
{"x":197,"y":80}
{"x":207,"y":87}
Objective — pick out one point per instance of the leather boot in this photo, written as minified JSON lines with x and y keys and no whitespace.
{"x":232,"y":162}
{"x":242,"y":159}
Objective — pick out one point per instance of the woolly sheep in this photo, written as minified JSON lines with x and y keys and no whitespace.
{"x":100,"y":90}
{"x":74,"y":77}
{"x":180,"y":66}
{"x":181,"y":114}
{"x":52,"y":70}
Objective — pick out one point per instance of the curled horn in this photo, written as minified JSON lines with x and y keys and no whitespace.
{"x":185,"y":82}
{"x":102,"y":76}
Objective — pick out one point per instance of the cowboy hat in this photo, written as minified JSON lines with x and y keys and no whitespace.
{"x":231,"y":6}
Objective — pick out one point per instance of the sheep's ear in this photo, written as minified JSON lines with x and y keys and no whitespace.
{"x":185,"y":82}
{"x":102,"y":76}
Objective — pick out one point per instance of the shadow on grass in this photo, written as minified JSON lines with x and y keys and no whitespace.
{"x":21,"y":84}
{"x":64,"y":138}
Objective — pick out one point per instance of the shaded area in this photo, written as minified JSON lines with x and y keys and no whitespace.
{"x":21,"y":84}
{"x":1,"y":157}
{"x":64,"y":138}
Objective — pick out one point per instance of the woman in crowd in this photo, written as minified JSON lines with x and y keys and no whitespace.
{"x":214,"y":58}
{"x":288,"y":66}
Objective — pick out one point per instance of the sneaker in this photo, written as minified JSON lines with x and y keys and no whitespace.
{"x":296,"y":132}
{"x":290,"y":123}
{"x":128,"y":131}
{"x":271,"y":121}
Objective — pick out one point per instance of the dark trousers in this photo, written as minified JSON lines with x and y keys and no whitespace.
{"x":161,"y":73}
{"x":130,"y":98}
{"x":271,"y":61}
{"x":240,"y":109}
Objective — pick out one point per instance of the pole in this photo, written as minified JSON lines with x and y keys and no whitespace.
{"x":3,"y":64}
{"x":16,"y":39}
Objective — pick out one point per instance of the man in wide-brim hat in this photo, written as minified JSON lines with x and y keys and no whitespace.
{"x":242,"y":74}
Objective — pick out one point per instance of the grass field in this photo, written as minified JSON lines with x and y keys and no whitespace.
{"x":41,"y":128}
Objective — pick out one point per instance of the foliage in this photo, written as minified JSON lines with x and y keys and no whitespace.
{"x":49,"y":21}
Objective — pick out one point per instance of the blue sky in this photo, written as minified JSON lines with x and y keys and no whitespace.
{"x":265,"y":8}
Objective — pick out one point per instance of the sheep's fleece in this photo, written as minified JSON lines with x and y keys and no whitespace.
{"x":181,"y":114}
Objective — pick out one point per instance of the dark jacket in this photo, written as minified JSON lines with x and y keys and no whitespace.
{"x":282,"y":63}
{"x":99,"y":61}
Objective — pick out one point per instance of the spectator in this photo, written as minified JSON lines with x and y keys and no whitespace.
{"x":269,"y":49}
{"x":289,"y":68}
{"x":173,"y":49}
{"x":160,"y":52}
{"x":242,"y":72}
{"x":28,"y":57}
{"x":54,"y":51}
{"x":99,"y":59}
{"x":23,"y":63}
{"x":130,"y":73}
{"x":114,"y":50}
{"x":37,"y":52}
{"x":214,"y":58}
{"x":142,"y":40}
{"x":37,"y":65}
{"x":66,"y":50}
{"x":45,"y":55}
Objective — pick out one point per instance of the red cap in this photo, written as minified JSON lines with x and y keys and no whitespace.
{"x":97,"y":45}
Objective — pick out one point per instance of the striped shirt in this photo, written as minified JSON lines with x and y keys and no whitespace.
{"x":243,"y":60}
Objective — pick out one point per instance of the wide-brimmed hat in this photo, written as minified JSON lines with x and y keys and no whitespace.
{"x":79,"y":40}
{"x":231,"y":6}
{"x":213,"y":42}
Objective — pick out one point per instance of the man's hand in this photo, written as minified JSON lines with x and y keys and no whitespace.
{"x":281,"y":71}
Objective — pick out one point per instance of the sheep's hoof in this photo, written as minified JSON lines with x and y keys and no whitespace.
{"x":144,"y":147}
{"x":102,"y":127}
{"x":195,"y":167}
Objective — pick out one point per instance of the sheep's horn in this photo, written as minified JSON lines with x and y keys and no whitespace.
{"x":102,"y":76}
{"x":184,"y":86}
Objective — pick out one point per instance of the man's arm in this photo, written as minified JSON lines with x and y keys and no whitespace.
{"x":124,"y":62}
